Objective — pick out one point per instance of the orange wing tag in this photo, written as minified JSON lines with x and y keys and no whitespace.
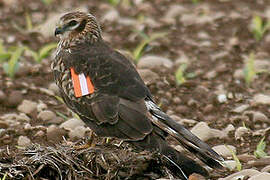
{"x":82,"y":85}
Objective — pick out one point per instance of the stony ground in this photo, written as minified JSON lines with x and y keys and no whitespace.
{"x":222,"y":94}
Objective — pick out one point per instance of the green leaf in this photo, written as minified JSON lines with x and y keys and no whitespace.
{"x":179,"y":74}
{"x":60,"y":99}
{"x":235,"y":158}
{"x":47,"y":2}
{"x":62,"y":115}
{"x":259,"y":27}
{"x":4,"y":56}
{"x":249,"y":70}
{"x":44,"y":51}
{"x":138,"y":51}
{"x":34,"y":54}
{"x":114,"y":2}
{"x":29,"y":25}
{"x":13,"y":61}
{"x":259,"y":152}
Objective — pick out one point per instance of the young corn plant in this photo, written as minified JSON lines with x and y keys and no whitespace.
{"x":249,"y":69}
{"x":195,"y":1}
{"x":180,"y":74}
{"x":259,"y":152}
{"x":259,"y":27}
{"x":235,"y":158}
{"x":12,"y":66}
{"x":42,"y":52}
{"x":47,"y":2}
{"x":141,"y":47}
{"x":4,"y":54}
{"x":114,"y":2}
{"x":4,"y":177}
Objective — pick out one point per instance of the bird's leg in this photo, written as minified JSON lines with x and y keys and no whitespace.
{"x":90,"y":142}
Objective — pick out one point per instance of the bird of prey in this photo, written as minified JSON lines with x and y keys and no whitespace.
{"x":104,"y":88}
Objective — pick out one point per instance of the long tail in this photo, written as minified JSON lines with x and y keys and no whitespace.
{"x":179,"y":165}
{"x":185,"y":137}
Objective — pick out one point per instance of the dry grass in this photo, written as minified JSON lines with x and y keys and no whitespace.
{"x":105,"y":161}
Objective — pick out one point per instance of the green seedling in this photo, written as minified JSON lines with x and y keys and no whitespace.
{"x":12,"y":66}
{"x":179,"y":74}
{"x":4,"y":54}
{"x":249,"y":70}
{"x":139,"y":50}
{"x":43,"y":52}
{"x":259,"y":152}
{"x":195,"y":1}
{"x":4,"y":177}
{"x":62,"y":115}
{"x":259,"y":27}
{"x":47,"y":2}
{"x":29,"y":25}
{"x":235,"y":158}
{"x":114,"y":2}
{"x":60,"y":99}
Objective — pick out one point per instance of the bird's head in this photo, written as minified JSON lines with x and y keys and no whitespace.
{"x":78,"y":25}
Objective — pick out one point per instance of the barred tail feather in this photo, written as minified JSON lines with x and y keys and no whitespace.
{"x":191,"y":142}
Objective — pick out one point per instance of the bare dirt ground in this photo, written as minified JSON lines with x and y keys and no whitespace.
{"x":213,"y":39}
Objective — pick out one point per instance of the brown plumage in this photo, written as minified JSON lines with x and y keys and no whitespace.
{"x":121,"y":105}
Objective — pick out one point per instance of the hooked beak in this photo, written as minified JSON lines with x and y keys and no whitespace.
{"x":58,"y":30}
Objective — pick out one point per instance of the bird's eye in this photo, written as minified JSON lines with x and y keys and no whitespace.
{"x":72,"y":23}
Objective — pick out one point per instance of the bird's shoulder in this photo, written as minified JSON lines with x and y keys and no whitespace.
{"x":110,"y":71}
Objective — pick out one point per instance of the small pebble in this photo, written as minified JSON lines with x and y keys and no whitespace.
{"x":241,"y":174}
{"x":222,"y":98}
{"x":14,"y":99}
{"x":27,"y":107}
{"x":46,"y":115}
{"x":24,"y":141}
{"x":224,"y":151}
{"x":71,"y":124}
{"x":240,"y":132}
{"x":260,"y":176}
{"x":261,"y":99}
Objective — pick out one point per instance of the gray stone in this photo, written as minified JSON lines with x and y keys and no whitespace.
{"x":23,"y":117}
{"x":240,"y":132}
{"x":77,"y":132}
{"x":154,"y":62}
{"x":148,"y":76}
{"x":24,"y":141}
{"x":260,"y":176}
{"x":261,"y":99}
{"x":71,"y":124}
{"x":55,"y":134}
{"x":202,"y":130}
{"x":27,"y":107}
{"x":241,"y":108}
{"x":231,"y":164}
{"x":224,"y":151}
{"x":46,"y":115}
{"x":260,"y":117}
{"x":266,"y":169}
{"x":222,"y":98}
{"x":41,"y":107}
{"x":241,"y":174}
{"x":54,"y":88}
{"x":14,"y":99}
